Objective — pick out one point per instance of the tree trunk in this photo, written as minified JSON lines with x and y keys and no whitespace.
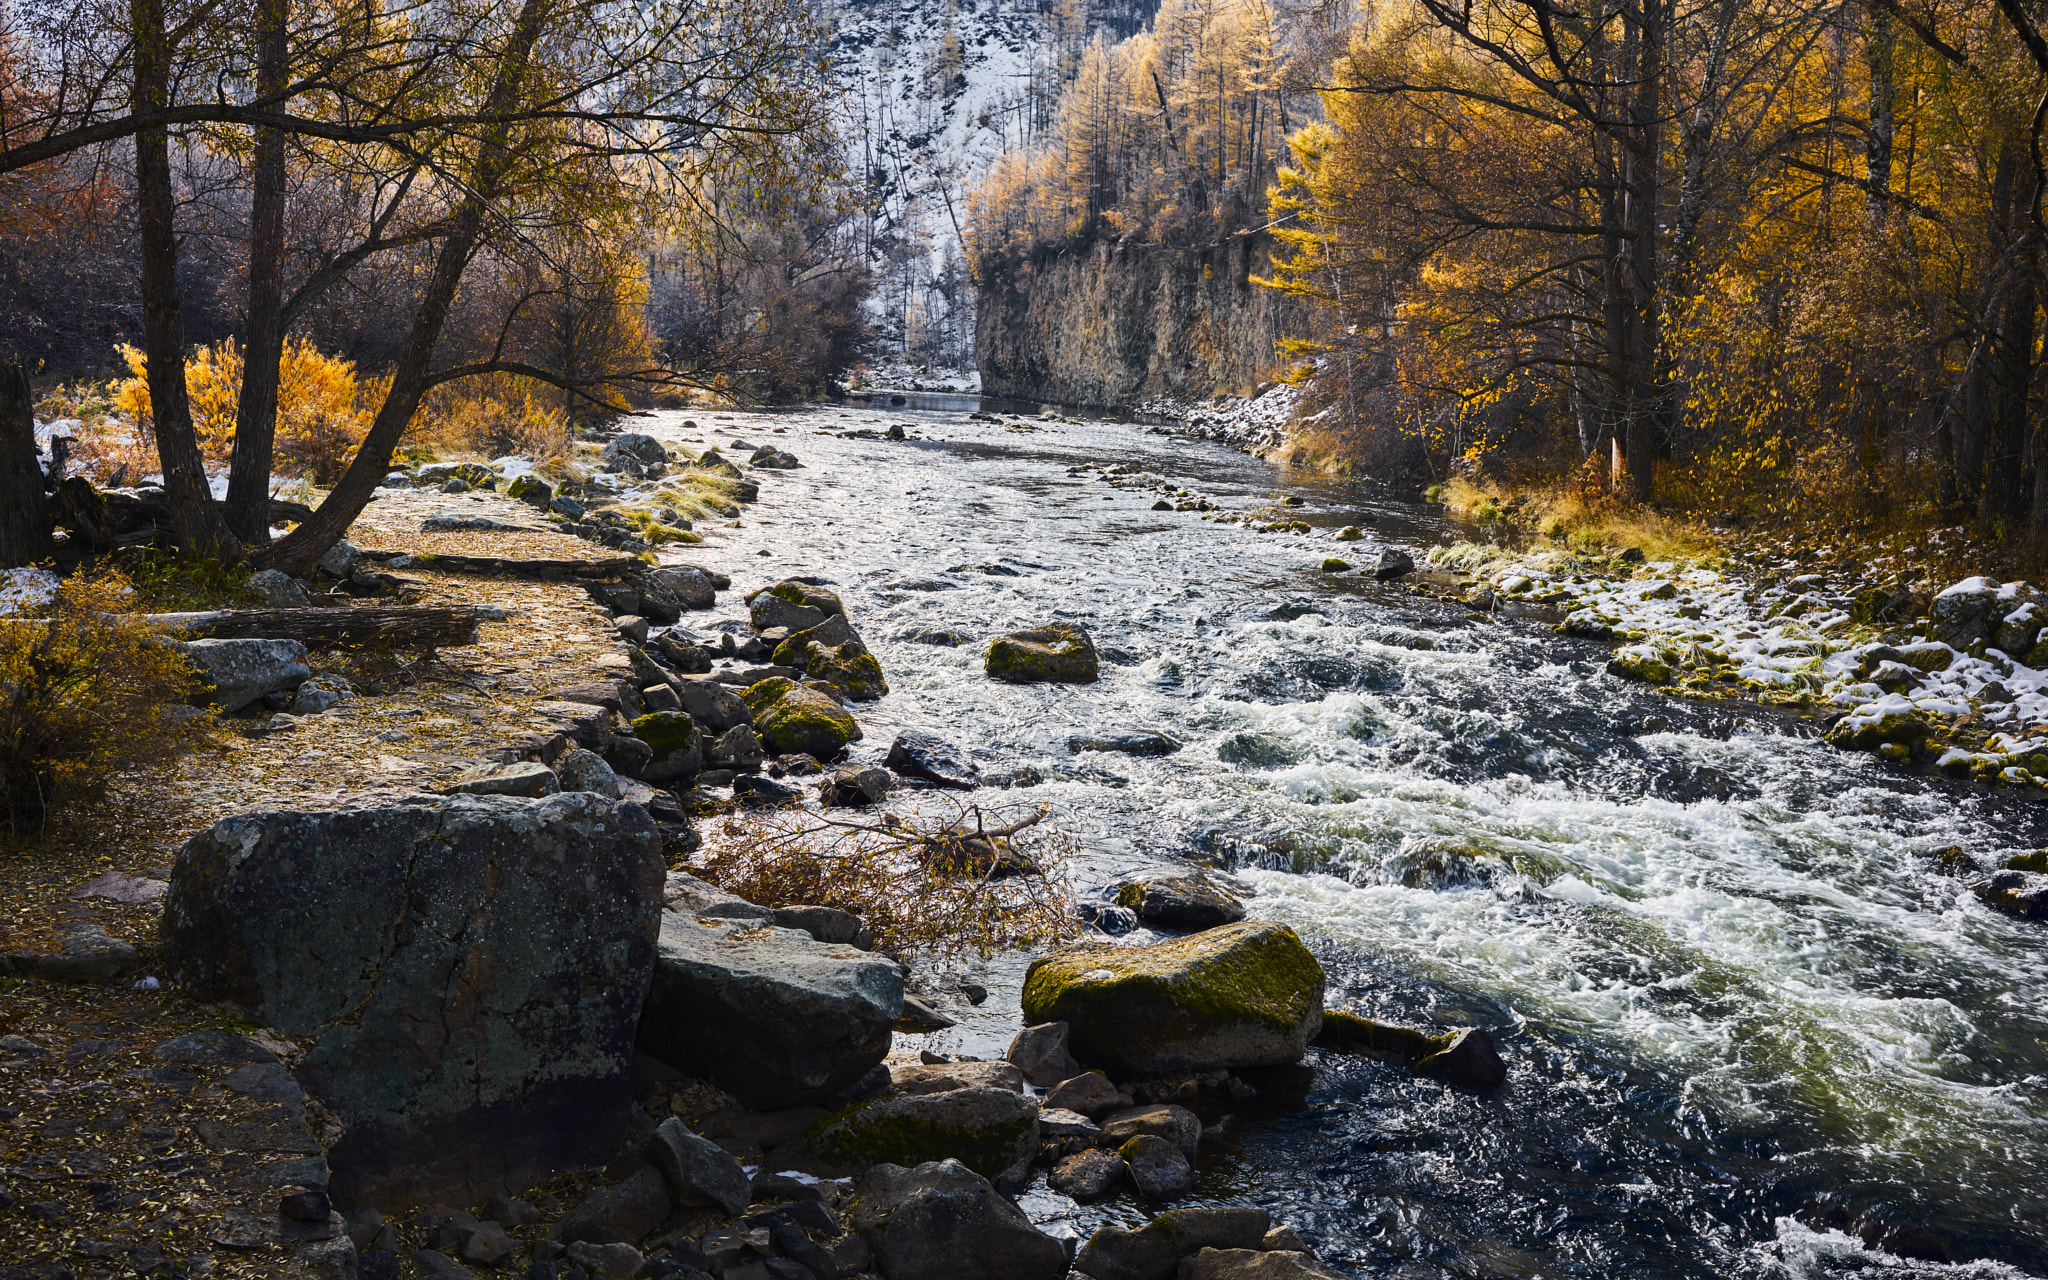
{"x":193,"y":511}
{"x":1877,"y":146}
{"x":297,"y":550}
{"x":1642,"y":155}
{"x":24,"y":515}
{"x":248,"y":513}
{"x":401,"y":627}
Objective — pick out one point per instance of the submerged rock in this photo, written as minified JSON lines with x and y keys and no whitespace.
{"x":1130,"y":744}
{"x":1248,"y":1264}
{"x":943,"y":1221}
{"x":1247,"y":994}
{"x":772,"y":1016}
{"x":1190,"y":901}
{"x":1058,"y":653}
{"x":470,"y":983}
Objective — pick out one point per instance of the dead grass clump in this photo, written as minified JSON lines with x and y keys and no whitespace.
{"x":1587,"y":518}
{"x":940,"y":888}
{"x":87,"y":692}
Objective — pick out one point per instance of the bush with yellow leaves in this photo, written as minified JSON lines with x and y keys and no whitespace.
{"x":321,"y":413}
{"x":87,"y":691}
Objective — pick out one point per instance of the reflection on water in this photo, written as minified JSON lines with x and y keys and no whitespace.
{"x":1739,"y":1007}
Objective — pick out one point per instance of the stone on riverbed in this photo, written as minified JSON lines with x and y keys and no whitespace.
{"x":772,"y":1016}
{"x":1041,"y":1053}
{"x":1190,"y":901}
{"x":1087,"y":1176}
{"x":915,"y":754}
{"x":943,"y":1221}
{"x":1393,"y":563}
{"x":1158,"y":1168}
{"x":1130,"y":744}
{"x":1155,"y":1250}
{"x":1178,"y":1125}
{"x":470,"y":983}
{"x":1247,"y":994}
{"x":987,"y":1128}
{"x":1249,"y":1264}
{"x":1058,"y":653}
{"x":794,"y":719}
{"x":238,"y":672}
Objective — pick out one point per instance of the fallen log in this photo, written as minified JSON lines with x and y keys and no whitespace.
{"x":401,"y":627}
{"x":610,"y":567}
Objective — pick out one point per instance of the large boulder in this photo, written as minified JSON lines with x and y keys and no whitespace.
{"x":847,"y":667}
{"x":468,"y":970}
{"x":1155,"y":1250}
{"x":803,"y":594}
{"x":677,"y":743}
{"x":643,"y":449}
{"x":1058,"y":653}
{"x":1247,"y":994}
{"x":1254,"y":1264}
{"x":792,"y":718}
{"x":916,"y":754}
{"x":238,"y":672}
{"x":691,"y":586}
{"x":712,"y":704}
{"x":986,"y":1128}
{"x":1967,"y":612}
{"x":943,"y":1221}
{"x":772,"y":1016}
{"x":1188,"y":901}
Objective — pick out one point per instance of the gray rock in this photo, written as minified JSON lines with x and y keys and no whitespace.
{"x":916,"y":754}
{"x":566,"y":506}
{"x":1159,"y":1169}
{"x":943,"y":1077}
{"x":278,"y":590}
{"x":339,"y":560}
{"x":738,"y":748}
{"x":1393,"y":563}
{"x":1089,"y":1093}
{"x":465,"y":522}
{"x":1059,"y":1123}
{"x":469,"y":987}
{"x":1283,"y":1238}
{"x":691,"y":586}
{"x":643,"y":449}
{"x":942,"y":1221}
{"x":687,"y":658}
{"x":211,"y":1049}
{"x":238,"y":672}
{"x":1250,"y":1264}
{"x":827,"y":924}
{"x":1470,"y":1059}
{"x":89,"y":955}
{"x":585,"y":770}
{"x":613,"y":1261}
{"x":320,"y":694}
{"x":1189,"y":901}
{"x":712,"y":704}
{"x":834,"y":631}
{"x":660,"y":697}
{"x":625,"y":1213}
{"x":686,"y":894}
{"x":527,"y":778}
{"x":488,"y":1245}
{"x":699,"y":1171}
{"x":1088,"y":1176}
{"x":1961,"y":618}
{"x":1176,"y":1124}
{"x":768,"y":611}
{"x":1041,"y":1053}
{"x":988,"y":1129}
{"x":396,"y":480}
{"x":439,"y":1266}
{"x":631,"y":626}
{"x":1130,"y":744}
{"x":676,"y":746}
{"x":855,"y":786}
{"x":1155,"y":1250}
{"x":772,"y":1016}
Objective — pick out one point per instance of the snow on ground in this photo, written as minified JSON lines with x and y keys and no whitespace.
{"x":26,"y":589}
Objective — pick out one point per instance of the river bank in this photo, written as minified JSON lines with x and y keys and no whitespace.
{"x":1468,"y":819}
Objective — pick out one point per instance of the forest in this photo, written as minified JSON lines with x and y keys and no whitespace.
{"x":1746,"y":259}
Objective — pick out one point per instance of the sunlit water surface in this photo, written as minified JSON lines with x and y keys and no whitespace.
{"x":1737,"y":1001}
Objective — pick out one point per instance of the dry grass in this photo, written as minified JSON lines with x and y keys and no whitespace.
{"x":922,"y":885}
{"x":1587,"y":520}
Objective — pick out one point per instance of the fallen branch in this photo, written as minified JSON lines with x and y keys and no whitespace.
{"x":610,"y":567}
{"x":401,"y":627}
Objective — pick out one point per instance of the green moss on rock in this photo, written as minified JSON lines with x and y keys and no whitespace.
{"x":1246,"y":994}
{"x":803,"y":593}
{"x":669,"y":733}
{"x":791,"y":718}
{"x":1059,"y":653}
{"x":986,"y":1129}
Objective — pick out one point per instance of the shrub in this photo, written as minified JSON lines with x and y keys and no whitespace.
{"x":919,"y":885}
{"x":86,"y":692}
{"x":493,"y":415}
{"x":321,"y":420}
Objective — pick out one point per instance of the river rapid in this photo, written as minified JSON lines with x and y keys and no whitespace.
{"x":1741,"y":1009}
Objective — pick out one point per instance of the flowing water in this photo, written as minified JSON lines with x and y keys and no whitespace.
{"x":1740,"y":1008}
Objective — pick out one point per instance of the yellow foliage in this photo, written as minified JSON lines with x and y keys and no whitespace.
{"x":321,"y":420}
{"x":86,"y":693}
{"x":492,"y":415}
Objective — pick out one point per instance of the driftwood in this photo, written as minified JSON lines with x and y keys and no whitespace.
{"x":400,"y":627}
{"x":610,"y":567}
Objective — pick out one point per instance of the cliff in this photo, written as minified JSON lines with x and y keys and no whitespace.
{"x":1118,"y":324}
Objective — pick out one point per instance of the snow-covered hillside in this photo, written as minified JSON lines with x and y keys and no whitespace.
{"x":936,"y":90}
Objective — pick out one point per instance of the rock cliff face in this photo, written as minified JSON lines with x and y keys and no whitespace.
{"x":1112,"y":324}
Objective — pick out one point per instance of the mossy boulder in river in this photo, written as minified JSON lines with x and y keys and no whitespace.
{"x":847,"y":666}
{"x":1057,"y":653}
{"x":987,"y":1128}
{"x":792,"y":718}
{"x":1243,"y":995}
{"x":677,"y":743}
{"x":1889,"y":721}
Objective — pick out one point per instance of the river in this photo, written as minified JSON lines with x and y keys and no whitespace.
{"x":1740,"y":1008}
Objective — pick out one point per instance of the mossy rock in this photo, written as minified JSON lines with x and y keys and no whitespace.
{"x":1908,"y":729}
{"x":988,"y":1129}
{"x":791,"y":718}
{"x":803,"y":593}
{"x":1640,"y":666}
{"x":529,"y":484}
{"x":1246,"y":994}
{"x":2035,"y":861}
{"x":1350,"y":533}
{"x":1058,"y":653}
{"x":850,"y":668}
{"x":1331,"y":564}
